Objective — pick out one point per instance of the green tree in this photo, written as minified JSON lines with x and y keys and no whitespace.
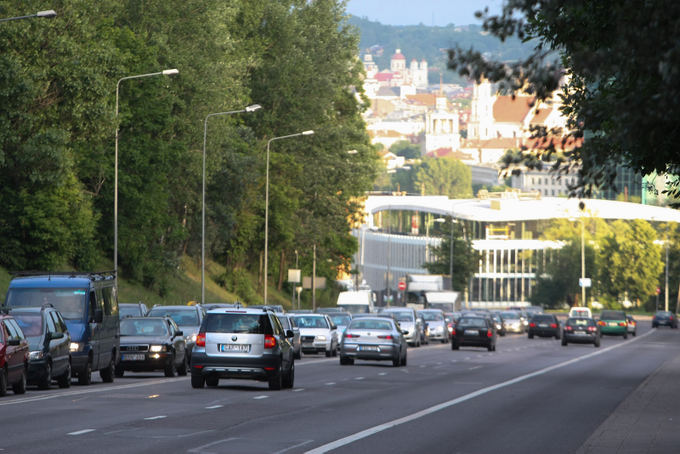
{"x":630,"y":262}
{"x":623,"y":86}
{"x":465,"y":258}
{"x":406,"y":149}
{"x":444,"y":176}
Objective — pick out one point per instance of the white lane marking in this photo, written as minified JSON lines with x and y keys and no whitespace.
{"x":382,"y":373}
{"x":467,"y":358}
{"x":294,"y":446}
{"x":260,"y":397}
{"x":480,"y":392}
{"x":297,"y":390}
{"x":152,"y":418}
{"x":473,"y":368}
{"x":80,"y":432}
{"x":330,"y":383}
{"x":358,"y":378}
{"x":202,"y":447}
{"x":94,"y":389}
{"x":212,"y":407}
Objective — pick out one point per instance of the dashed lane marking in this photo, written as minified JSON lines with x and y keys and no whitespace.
{"x":81,"y":432}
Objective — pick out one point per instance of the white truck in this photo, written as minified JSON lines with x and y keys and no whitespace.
{"x":356,"y":301}
{"x":446,"y":300}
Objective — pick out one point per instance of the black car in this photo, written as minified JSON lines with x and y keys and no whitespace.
{"x":132,"y":309}
{"x":499,"y":323}
{"x":544,"y":325}
{"x":188,"y":318}
{"x":49,"y":343}
{"x":151,"y":343}
{"x":664,"y":318}
{"x":582,"y":331}
{"x":474,"y":331}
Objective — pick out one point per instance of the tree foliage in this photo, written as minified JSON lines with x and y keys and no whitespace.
{"x":57,"y":126}
{"x":621,"y":59}
{"x":465,"y":259}
{"x":444,"y":176}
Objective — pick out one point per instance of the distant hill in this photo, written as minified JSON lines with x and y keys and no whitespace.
{"x":431,"y":43}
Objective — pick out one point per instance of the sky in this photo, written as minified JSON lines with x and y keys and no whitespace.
{"x":427,"y":12}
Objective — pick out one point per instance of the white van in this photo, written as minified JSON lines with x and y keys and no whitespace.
{"x":356,"y":301}
{"x":580,"y":312}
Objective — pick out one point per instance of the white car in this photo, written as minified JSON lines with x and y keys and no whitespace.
{"x":318,"y":333}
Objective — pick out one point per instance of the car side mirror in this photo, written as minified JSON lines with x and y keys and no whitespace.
{"x":179,"y":333}
{"x":405,"y":333}
{"x":289,"y":333}
{"x":14,"y":342}
{"x":51,"y":336}
{"x":98,"y":316}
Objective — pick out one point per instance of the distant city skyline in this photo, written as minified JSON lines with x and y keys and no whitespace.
{"x":427,"y":12}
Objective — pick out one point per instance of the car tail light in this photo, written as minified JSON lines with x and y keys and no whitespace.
{"x":453,"y":331}
{"x":553,"y":325}
{"x":489,"y":333}
{"x":351,"y":336}
{"x":592,"y":328}
{"x":387,"y":336}
{"x":269,"y":341}
{"x":532,"y":324}
{"x":632,"y":323}
{"x":622,"y":323}
{"x":200,"y":340}
{"x":568,"y":328}
{"x":601,"y":323}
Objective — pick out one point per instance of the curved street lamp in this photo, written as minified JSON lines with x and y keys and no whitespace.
{"x":252,"y":108}
{"x":48,"y":14}
{"x":166,"y":72}
{"x":266,"y":204}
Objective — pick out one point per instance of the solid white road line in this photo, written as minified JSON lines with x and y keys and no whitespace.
{"x":212,"y":407}
{"x":428,"y":411}
{"x":260,"y":397}
{"x":152,"y":418}
{"x":80,"y":432}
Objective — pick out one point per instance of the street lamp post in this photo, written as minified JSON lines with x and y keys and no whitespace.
{"x":166,"y":72}
{"x":266,"y":204}
{"x":48,"y":14}
{"x":252,"y":108}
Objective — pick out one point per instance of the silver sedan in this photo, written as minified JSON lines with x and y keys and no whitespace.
{"x":373,"y":338}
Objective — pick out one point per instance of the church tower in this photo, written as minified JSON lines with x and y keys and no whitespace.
{"x":481,"y":118}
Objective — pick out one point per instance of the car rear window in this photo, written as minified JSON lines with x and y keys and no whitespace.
{"x":238,"y":323}
{"x":371,"y":324}
{"x":31,"y":323}
{"x":542,"y":318}
{"x":309,"y":321}
{"x":182,"y":317}
{"x":472,"y":321}
{"x":612,"y":315}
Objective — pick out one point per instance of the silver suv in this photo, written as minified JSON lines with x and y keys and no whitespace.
{"x":243,"y":344}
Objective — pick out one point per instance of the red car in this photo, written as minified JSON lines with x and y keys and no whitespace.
{"x":13,"y":356}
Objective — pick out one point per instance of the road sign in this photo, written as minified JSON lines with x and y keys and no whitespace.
{"x":402,"y":286}
{"x":584,"y":282}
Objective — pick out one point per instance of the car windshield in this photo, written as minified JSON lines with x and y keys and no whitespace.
{"x":125,"y":311}
{"x":475,"y":322}
{"x":580,"y":322}
{"x":340,"y":319}
{"x":380,"y":325}
{"x":30,"y":323}
{"x":308,"y":321}
{"x":69,"y":301}
{"x":432,"y":316}
{"x":510,"y":315}
{"x":182,"y":317}
{"x":237,"y":323}
{"x":612,"y":315}
{"x":143,"y":327}
{"x":285,"y":322}
{"x":403,"y":316}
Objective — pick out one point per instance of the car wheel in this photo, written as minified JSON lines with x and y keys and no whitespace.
{"x":276,"y":380}
{"x":335,"y":351}
{"x":654,"y":325}
{"x":490,"y":348}
{"x":197,"y":381}
{"x":46,"y":380}
{"x":170,"y":368}
{"x":212,"y":380}
{"x":107,"y":373}
{"x":396,"y":362}
{"x":289,"y":379}
{"x":3,"y":382}
{"x":558,"y":336}
{"x":596,"y":343}
{"x":20,"y":386}
{"x":184,"y":367}
{"x":85,"y":377}
{"x":454,"y":346}
{"x":119,"y":371}
{"x":346,"y":361}
{"x":403,"y":360}
{"x":531,"y":336}
{"x":328,"y":353}
{"x":64,"y":381}
{"x":297,"y":355}
{"x":634,"y":333}
{"x":564,"y":342}
{"x":625,"y":335}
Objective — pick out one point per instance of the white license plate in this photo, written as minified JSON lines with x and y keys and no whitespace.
{"x":368,"y":348}
{"x":238,"y":348}
{"x":133,"y":357}
{"x":613,"y":324}
{"x":543,"y":325}
{"x":471,"y":332}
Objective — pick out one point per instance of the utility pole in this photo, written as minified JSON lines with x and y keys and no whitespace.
{"x":314,"y":279}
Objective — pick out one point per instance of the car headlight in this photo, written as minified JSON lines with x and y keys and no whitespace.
{"x":76,"y":347}
{"x":157,"y":348}
{"x":192,"y":338}
{"x":321,"y":338}
{"x":38,"y":354}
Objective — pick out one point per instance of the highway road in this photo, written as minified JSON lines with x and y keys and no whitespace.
{"x":530,"y":396}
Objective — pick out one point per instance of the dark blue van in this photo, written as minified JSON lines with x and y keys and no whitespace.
{"x":89,"y":305}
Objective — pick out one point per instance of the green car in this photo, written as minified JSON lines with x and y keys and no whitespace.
{"x":613,"y":323}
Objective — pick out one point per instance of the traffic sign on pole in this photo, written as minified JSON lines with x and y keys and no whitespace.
{"x":402,"y":286}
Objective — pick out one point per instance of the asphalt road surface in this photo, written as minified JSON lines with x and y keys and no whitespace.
{"x":530,"y":396}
